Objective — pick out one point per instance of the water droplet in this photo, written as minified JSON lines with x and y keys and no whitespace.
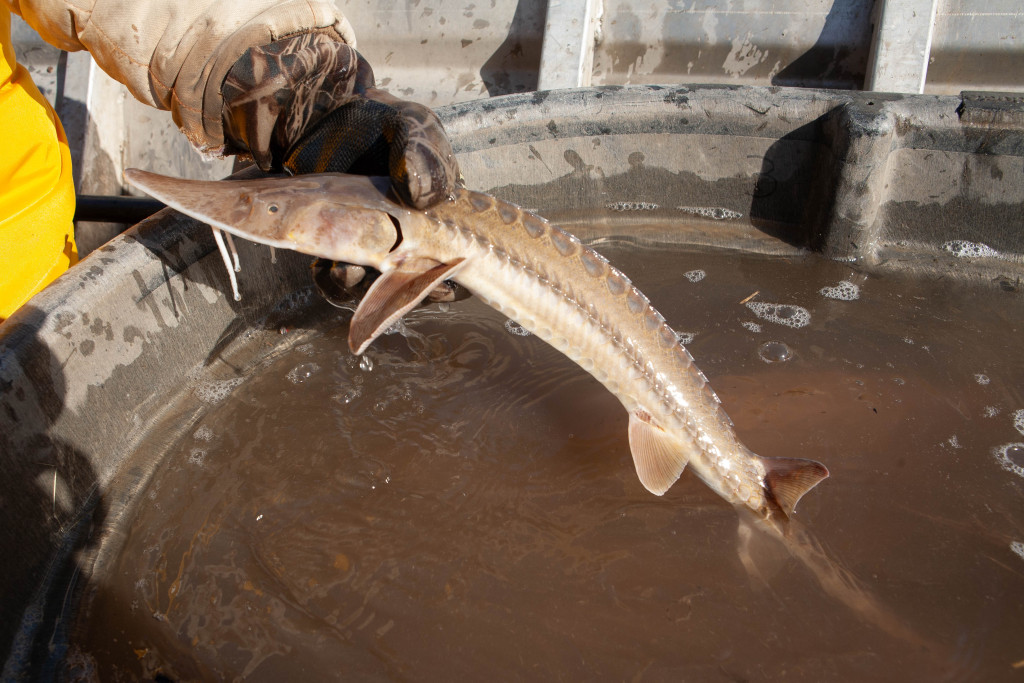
{"x":774,"y":352}
{"x":365,"y":363}
{"x":301,"y":373}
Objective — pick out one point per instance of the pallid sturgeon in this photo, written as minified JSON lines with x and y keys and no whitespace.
{"x":529,"y":270}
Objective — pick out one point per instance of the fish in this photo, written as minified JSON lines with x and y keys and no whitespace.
{"x":529,"y":270}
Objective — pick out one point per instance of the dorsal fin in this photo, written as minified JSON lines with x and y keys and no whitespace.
{"x":659,"y":459}
{"x":788,"y":479}
{"x":394,"y":294}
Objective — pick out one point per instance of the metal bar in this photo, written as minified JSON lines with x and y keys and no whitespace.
{"x":105,"y":209}
{"x":901,"y":46}
{"x":567,"y":52}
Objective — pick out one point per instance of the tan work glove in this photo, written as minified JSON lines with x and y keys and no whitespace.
{"x":308,"y":104}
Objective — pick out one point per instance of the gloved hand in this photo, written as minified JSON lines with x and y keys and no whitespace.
{"x":308,"y":104}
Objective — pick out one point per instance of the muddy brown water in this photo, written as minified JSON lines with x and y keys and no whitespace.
{"x":461,"y":504}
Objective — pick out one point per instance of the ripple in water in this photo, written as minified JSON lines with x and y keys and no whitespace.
{"x":781,"y":314}
{"x":774,"y":352}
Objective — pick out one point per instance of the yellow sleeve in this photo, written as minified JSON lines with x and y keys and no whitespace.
{"x":37,"y":195}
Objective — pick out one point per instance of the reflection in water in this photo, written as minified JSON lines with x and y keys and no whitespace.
{"x":461,"y":501}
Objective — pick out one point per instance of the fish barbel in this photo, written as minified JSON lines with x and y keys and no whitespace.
{"x":531,"y":271}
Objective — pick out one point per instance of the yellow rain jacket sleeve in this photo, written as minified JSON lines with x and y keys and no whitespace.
{"x":171,"y":54}
{"x":37,"y":196}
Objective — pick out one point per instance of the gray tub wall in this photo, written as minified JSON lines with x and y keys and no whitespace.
{"x":92,"y":361}
{"x":449,"y":52}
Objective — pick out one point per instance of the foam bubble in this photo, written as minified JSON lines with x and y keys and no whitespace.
{"x":1018,"y":420}
{"x":685,"y":337}
{"x":349,"y":396}
{"x":1011,"y":457}
{"x":631,"y":206}
{"x":965,"y":249}
{"x":204,"y":433}
{"x":197,"y":456}
{"x":300,"y":373}
{"x":781,"y":314}
{"x":515,"y":328}
{"x":715,"y":213}
{"x":991,"y":411}
{"x":1018,"y":547}
{"x":695,"y":275}
{"x":215,"y":391}
{"x":981,"y":378}
{"x":844,"y":291}
{"x":752,"y":326}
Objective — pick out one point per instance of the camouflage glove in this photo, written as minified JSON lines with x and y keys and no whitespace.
{"x":308,"y":104}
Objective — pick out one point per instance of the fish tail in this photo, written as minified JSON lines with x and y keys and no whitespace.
{"x":786,"y":480}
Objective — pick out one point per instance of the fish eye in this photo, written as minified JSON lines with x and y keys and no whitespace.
{"x":272,"y":208}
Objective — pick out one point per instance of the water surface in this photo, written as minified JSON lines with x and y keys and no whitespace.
{"x":461,"y":504}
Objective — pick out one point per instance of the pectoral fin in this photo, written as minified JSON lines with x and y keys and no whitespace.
{"x":395,"y":293}
{"x":658,"y":458}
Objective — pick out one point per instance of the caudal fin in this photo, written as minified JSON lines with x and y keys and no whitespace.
{"x":788,"y":479}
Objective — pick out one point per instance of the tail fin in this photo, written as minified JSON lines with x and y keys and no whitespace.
{"x":788,"y":479}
